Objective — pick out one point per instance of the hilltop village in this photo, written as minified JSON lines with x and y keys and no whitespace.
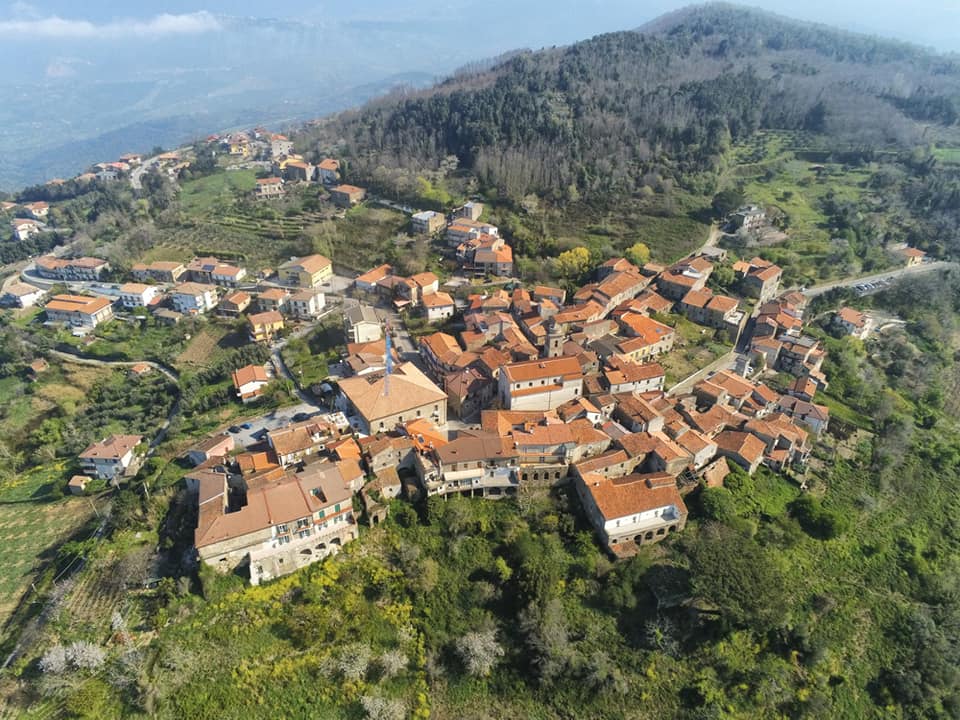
{"x":523,"y":388}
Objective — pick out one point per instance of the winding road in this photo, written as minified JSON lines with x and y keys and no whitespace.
{"x":168,"y":372}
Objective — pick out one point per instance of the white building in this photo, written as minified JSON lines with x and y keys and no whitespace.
{"x":137,"y":294}
{"x":438,"y":306}
{"x":23,"y":295}
{"x":194,"y":298}
{"x":110,"y":458}
{"x":540,"y":384}
{"x":362,"y":324}
{"x":632,"y":510}
{"x":306,"y":304}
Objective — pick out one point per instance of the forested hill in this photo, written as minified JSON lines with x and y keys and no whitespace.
{"x":620,"y":111}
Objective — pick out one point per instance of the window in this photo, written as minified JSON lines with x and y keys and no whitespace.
{"x":283,"y":540}
{"x":282,"y":529}
{"x":302,"y":523}
{"x":320,"y":515}
{"x":303,"y":534}
{"x":336,"y":507}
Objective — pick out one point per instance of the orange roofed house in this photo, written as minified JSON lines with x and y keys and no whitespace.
{"x":270,"y":188}
{"x":263,"y":327}
{"x":380,"y":404}
{"x":249,"y":382}
{"x":632,"y":510}
{"x":79,"y":310}
{"x":110,"y":458}
{"x":540,"y":384}
{"x":274,"y":522}
{"x":347,"y":195}
{"x":758,"y":278}
{"x":308,"y":272}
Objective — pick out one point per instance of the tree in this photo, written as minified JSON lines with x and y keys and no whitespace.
{"x":392,"y":663}
{"x":545,"y":630}
{"x":638,"y":254}
{"x":54,"y":660}
{"x":726,"y":201}
{"x":572,"y":263}
{"x":480,"y":651}
{"x":718,"y":504}
{"x":734,"y":574}
{"x":354,"y":661}
{"x":380,"y":708}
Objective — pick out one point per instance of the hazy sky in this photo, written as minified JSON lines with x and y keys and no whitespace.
{"x":933,"y":23}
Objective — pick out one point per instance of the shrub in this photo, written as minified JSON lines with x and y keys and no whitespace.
{"x":817,"y":520}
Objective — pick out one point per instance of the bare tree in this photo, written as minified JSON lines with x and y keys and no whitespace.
{"x":379,"y":708}
{"x":480,"y":651}
{"x":54,"y":661}
{"x":392,"y":663}
{"x":354,"y":661}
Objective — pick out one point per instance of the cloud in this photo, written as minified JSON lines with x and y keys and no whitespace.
{"x":157,"y":26}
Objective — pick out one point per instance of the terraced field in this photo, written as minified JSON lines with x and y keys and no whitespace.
{"x":33,"y":526}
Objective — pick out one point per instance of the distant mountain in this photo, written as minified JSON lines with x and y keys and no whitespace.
{"x":628,"y":110}
{"x":82,"y":91}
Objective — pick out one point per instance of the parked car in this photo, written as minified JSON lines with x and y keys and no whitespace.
{"x":234,"y":428}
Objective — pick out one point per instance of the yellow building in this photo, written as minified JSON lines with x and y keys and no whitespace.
{"x":264,"y":326}
{"x":310,"y":271}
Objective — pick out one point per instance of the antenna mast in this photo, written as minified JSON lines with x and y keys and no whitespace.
{"x":389,"y":350}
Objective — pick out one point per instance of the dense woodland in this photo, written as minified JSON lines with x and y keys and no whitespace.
{"x":648,"y":118}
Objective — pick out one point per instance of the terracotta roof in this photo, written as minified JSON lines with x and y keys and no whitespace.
{"x":237,"y":298}
{"x":746,"y":445}
{"x":111,"y":448}
{"x":599,"y":462}
{"x":20,"y":289}
{"x":256,"y":462}
{"x":425,"y":278}
{"x":722,"y":303}
{"x":913,"y":252}
{"x":633,"y":494}
{"x":409,"y":389}
{"x":309,"y":264}
{"x":476,"y":448}
{"x":851,"y":316}
{"x":436,"y":300}
{"x":78,"y":304}
{"x":565,"y":367}
{"x":373,"y":275}
{"x":646,"y":329}
{"x":249,"y":374}
{"x":444,"y":347}
{"x":349,"y":189}
{"x":270,"y":317}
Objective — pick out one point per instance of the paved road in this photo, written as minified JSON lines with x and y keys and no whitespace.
{"x":924,"y":268}
{"x":136,"y":175}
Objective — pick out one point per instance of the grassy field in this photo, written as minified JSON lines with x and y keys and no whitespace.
{"x":695,"y":348}
{"x":949,"y":155}
{"x":216,"y":191}
{"x":33,"y":523}
{"x":772,"y":175}
{"x":210,"y":342}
